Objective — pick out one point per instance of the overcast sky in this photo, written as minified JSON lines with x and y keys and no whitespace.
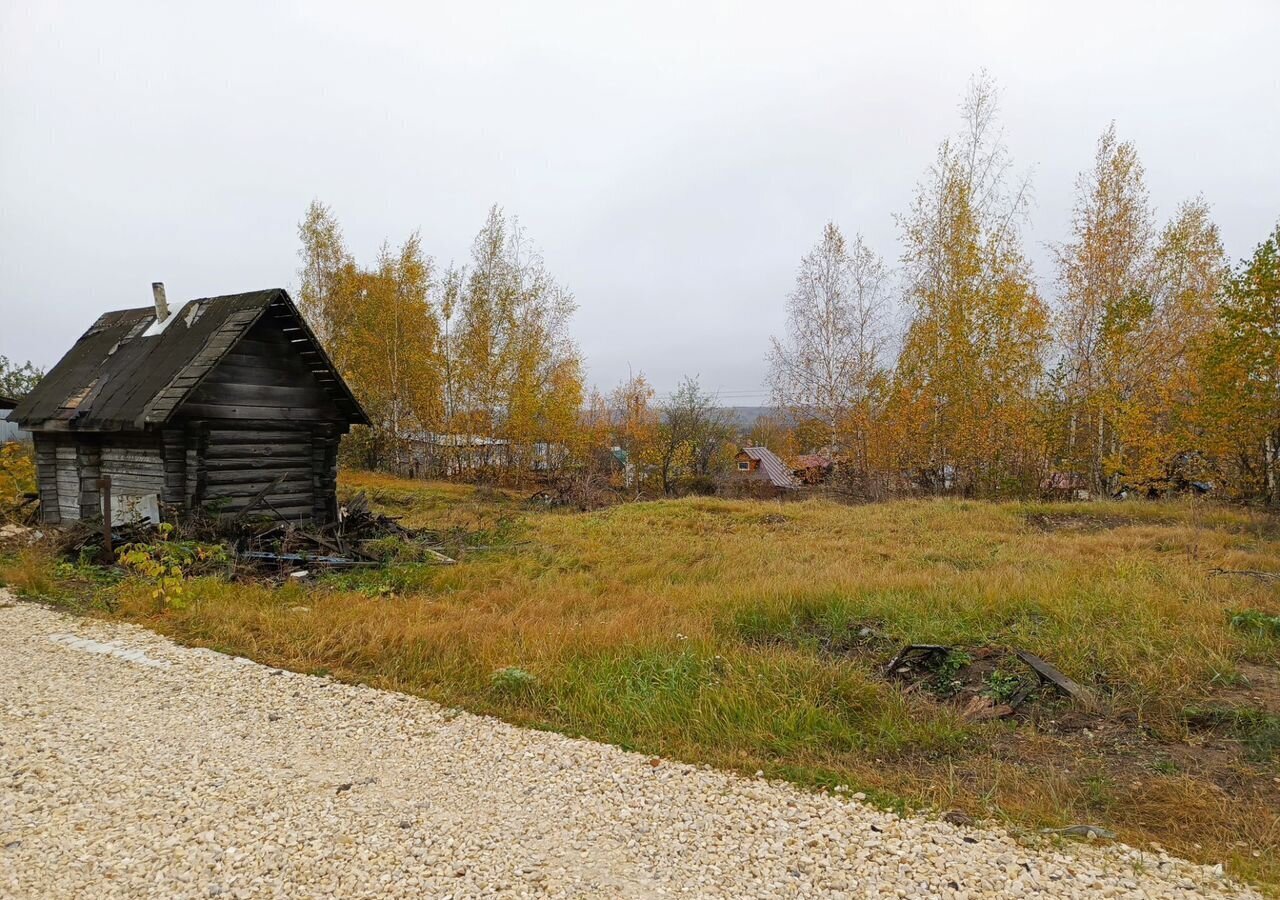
{"x":672,"y":161}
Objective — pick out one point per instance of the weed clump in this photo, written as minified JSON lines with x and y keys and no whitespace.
{"x":1252,"y":621}
{"x":832,"y":627}
{"x":1257,"y":729}
{"x":513,"y":681}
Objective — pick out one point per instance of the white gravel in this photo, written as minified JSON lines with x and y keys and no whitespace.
{"x":131,"y":767}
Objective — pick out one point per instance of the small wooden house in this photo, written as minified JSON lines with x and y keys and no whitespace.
{"x":229,"y":401}
{"x":758,"y":471}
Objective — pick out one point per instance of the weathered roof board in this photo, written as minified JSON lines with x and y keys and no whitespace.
{"x":118,"y":378}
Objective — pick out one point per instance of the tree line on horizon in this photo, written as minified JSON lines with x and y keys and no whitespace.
{"x":1155,"y":365}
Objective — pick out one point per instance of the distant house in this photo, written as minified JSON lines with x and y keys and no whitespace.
{"x":812,"y":468}
{"x":228,"y":402}
{"x":9,"y":431}
{"x":434,"y":454}
{"x":759,"y":471}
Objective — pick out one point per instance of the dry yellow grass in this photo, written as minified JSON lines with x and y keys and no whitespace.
{"x":709,"y":630}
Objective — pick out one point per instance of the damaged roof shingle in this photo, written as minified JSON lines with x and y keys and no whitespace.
{"x":117,"y":377}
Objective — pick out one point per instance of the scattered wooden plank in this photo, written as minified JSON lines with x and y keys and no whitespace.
{"x":258,"y":498}
{"x":1054,"y":676}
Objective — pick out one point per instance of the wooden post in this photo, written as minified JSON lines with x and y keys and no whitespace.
{"x":104,"y":485}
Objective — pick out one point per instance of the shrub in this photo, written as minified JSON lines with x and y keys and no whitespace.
{"x":168,"y":563}
{"x":17,"y":475}
{"x":513,"y":681}
{"x":1255,"y":622}
{"x":1001,"y":686}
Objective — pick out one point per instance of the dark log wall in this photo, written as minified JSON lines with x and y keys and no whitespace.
{"x":135,"y":464}
{"x":68,"y":481}
{"x":68,"y":467}
{"x":240,"y":462}
{"x":263,"y":418}
{"x":46,"y":446}
{"x":88,"y":469}
{"x":324,"y":469}
{"x":264,"y":377}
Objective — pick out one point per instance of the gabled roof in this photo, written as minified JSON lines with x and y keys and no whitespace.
{"x":7,"y":402}
{"x":120,"y":377}
{"x":773,"y":467}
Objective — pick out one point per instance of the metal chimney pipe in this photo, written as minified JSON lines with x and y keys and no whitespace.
{"x":162,"y":305}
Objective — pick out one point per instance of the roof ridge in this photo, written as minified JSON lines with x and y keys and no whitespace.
{"x":142,"y":381}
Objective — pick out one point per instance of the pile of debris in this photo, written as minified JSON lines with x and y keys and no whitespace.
{"x":14,"y":535}
{"x":23,"y":511}
{"x":85,"y":540}
{"x":350,"y":542}
{"x":984,"y":683}
{"x":360,"y":537}
{"x":582,"y":491}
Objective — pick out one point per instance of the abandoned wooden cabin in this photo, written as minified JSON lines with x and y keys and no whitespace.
{"x":228,"y":402}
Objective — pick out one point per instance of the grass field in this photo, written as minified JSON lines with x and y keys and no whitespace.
{"x":753,"y":636}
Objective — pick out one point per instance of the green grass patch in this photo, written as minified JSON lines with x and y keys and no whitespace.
{"x":1257,"y":729}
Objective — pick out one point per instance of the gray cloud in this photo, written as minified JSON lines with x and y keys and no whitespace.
{"x":673,"y":161}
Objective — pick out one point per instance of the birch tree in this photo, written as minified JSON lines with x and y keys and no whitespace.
{"x":381,"y":330}
{"x":972,"y":355}
{"x":1105,"y":277}
{"x":515,"y":374}
{"x":386,"y":342}
{"x":324,"y":258}
{"x":1241,"y":372}
{"x":1158,"y":444}
{"x":828,"y":364}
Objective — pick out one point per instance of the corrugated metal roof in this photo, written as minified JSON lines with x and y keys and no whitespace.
{"x":772,"y":466}
{"x":116,"y":377}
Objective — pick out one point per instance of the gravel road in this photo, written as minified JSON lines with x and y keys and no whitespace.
{"x":132,"y":767}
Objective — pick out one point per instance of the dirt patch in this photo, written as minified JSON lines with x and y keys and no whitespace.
{"x":1125,"y":759}
{"x":1259,"y":688}
{"x":1244,"y":716}
{"x":807,"y":629}
{"x":1088,"y":522}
